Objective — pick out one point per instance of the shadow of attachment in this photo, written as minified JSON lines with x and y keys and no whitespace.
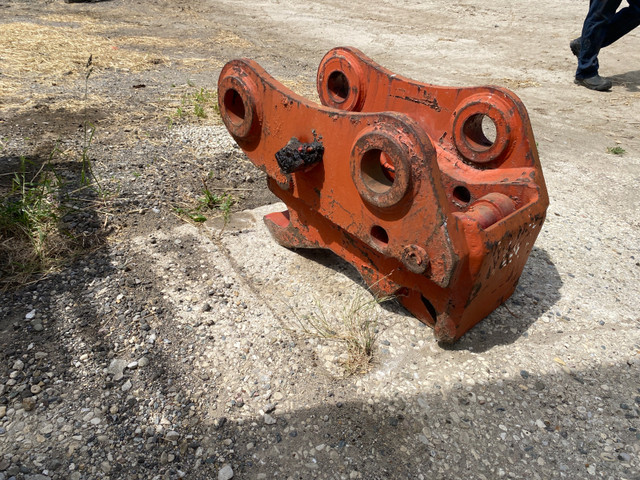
{"x":537,"y":291}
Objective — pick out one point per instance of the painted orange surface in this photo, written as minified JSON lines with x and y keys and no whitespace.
{"x":434,"y":194}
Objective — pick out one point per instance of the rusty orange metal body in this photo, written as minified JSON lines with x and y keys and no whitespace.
{"x":404,"y":180}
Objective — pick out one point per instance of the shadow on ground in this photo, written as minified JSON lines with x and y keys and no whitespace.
{"x":537,"y":291}
{"x":630,"y":80}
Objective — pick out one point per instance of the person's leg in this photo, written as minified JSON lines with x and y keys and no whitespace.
{"x":622,"y":23}
{"x":594,"y":31}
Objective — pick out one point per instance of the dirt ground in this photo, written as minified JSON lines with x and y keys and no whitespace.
{"x":172,"y":350}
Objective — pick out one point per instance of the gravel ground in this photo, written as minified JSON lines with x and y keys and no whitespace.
{"x":172,"y":350}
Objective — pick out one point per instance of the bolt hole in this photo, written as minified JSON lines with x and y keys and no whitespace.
{"x":380,"y":235}
{"x":338,"y":86}
{"x":480,"y":131}
{"x":462,"y":195}
{"x":401,"y":292}
{"x":234,"y":106}
{"x":378,"y":170}
{"x":430,"y":308}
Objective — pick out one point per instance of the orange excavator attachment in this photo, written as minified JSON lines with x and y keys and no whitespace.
{"x":434,"y":194}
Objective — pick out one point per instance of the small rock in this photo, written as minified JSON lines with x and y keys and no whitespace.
{"x":127,"y":386}
{"x":143,"y":362}
{"x":40,"y":355}
{"x":278,"y":396}
{"x":133,"y":365}
{"x":269,"y":420}
{"x":29,"y":403}
{"x":18,"y":365}
{"x":524,"y":374}
{"x":36,"y":389}
{"x":3,"y":411}
{"x":172,"y":436}
{"x":218,"y":423}
{"x":105,"y":467}
{"x":46,"y":429}
{"x":37,"y":326}
{"x":30,"y":315}
{"x":624,"y":457}
{"x":269,"y":407}
{"x":116,"y":368}
{"x":225,"y":473}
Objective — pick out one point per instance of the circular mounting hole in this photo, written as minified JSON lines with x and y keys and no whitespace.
{"x":338,"y":86}
{"x":378,"y":170}
{"x":380,"y":235}
{"x":462,"y":195}
{"x":234,"y":106}
{"x":480,"y":131}
{"x":430,"y":308}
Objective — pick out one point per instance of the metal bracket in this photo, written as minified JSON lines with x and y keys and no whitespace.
{"x":435,"y":195}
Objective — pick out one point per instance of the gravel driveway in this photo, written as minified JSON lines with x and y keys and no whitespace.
{"x":174,"y":348}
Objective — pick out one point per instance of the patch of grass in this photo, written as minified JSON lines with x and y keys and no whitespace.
{"x":31,"y":240}
{"x":196,"y":103}
{"x":355,"y":326}
{"x":616,"y":150}
{"x":209,"y":202}
{"x":33,"y":236}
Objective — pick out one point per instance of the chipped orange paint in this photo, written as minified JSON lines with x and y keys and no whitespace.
{"x":435,"y":195}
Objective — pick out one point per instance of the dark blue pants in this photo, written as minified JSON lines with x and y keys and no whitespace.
{"x":602,"y":27}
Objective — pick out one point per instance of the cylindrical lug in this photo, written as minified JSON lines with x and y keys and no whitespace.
{"x":490,"y":209}
{"x":239,"y":109}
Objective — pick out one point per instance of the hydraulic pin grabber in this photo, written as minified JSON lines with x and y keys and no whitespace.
{"x":435,"y":195}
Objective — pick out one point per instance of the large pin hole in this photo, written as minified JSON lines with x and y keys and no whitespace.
{"x":480,"y":131}
{"x":234,"y":106}
{"x":430,"y":308}
{"x":338,"y":86}
{"x":461,"y":195}
{"x":380,"y":235}
{"x":378,"y":170}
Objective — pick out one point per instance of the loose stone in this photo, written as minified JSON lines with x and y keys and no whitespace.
{"x":116,"y":368}
{"x":29,"y":403}
{"x":225,"y":473}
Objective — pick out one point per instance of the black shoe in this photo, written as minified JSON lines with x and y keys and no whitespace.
{"x":595,"y":83}
{"x":575,"y":45}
